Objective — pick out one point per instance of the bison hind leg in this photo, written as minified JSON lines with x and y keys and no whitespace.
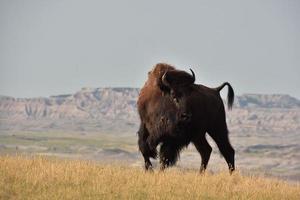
{"x":220,"y":136}
{"x":204,"y":149}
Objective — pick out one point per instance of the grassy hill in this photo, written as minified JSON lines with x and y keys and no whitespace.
{"x":52,"y":178}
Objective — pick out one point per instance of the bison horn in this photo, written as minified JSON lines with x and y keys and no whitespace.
{"x":164,"y":80}
{"x":193,"y":80}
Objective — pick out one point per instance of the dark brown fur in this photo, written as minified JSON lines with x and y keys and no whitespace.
{"x":178,"y":114}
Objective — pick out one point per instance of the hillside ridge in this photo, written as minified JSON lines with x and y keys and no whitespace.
{"x":106,"y":108}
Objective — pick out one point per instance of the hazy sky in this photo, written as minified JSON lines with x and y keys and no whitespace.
{"x":56,"y":47}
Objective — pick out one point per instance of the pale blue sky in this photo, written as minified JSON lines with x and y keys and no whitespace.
{"x":55,"y":47}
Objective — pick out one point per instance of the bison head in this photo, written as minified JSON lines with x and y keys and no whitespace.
{"x":176,"y":78}
{"x":167,"y":78}
{"x":178,"y":84}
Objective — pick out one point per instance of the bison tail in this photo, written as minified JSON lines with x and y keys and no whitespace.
{"x":230,"y":94}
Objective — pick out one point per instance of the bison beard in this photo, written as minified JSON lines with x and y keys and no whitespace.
{"x":174,"y":112}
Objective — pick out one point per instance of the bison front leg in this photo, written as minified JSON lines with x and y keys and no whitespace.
{"x":144,"y":147}
{"x":168,"y":154}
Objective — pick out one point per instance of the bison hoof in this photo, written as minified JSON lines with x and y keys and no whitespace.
{"x":163,"y":167}
{"x":202,"y":169}
{"x":148,"y":167}
{"x":231,"y":169}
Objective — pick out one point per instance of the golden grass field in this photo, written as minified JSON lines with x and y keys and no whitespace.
{"x":52,"y":178}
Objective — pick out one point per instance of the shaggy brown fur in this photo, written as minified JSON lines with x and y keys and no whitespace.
{"x":174,"y":112}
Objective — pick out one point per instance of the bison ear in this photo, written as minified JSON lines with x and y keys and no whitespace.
{"x":174,"y":78}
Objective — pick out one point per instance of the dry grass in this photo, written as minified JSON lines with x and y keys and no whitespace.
{"x":49,"y":178}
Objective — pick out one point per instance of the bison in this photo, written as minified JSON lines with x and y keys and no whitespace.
{"x":174,"y":111}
